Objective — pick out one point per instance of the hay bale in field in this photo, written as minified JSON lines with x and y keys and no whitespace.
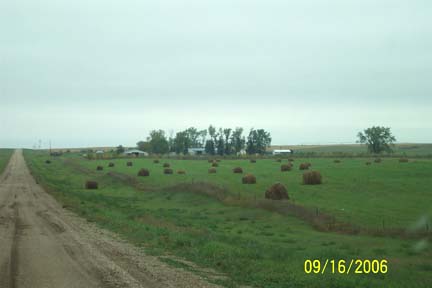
{"x":285,"y":167}
{"x":111,"y":164}
{"x":276,"y":192}
{"x":249,"y":179}
{"x":91,"y":185}
{"x":143,"y":172}
{"x":99,"y":168}
{"x":278,"y":160}
{"x":156,"y":161}
{"x":129,"y":164}
{"x":252,"y":161}
{"x":210,"y":160}
{"x":403,"y":160}
{"x":212,"y":170}
{"x":337,"y":161}
{"x":214,"y":164}
{"x":218,"y":160}
{"x":368,"y":163}
{"x":312,"y":178}
{"x":237,"y":170}
{"x":48,"y":161}
{"x":181,"y":172}
{"x":166,"y":165}
{"x":377,"y":160}
{"x":303,"y":166}
{"x":168,"y":171}
{"x":290,"y":160}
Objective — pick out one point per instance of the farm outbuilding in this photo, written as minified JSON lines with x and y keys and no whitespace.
{"x":282,"y":151}
{"x":196,"y":151}
{"x":136,"y":153}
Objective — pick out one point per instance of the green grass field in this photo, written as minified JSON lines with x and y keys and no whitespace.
{"x":248,"y":244}
{"x":5,"y":155}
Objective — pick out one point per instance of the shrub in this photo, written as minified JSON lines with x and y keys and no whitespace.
{"x":91,"y":185}
{"x":377,"y":160}
{"x":168,"y":171}
{"x":99,"y":168}
{"x":143,"y":172}
{"x":156,"y":161}
{"x":214,"y":164}
{"x":304,"y":166}
{"x":111,"y":164}
{"x":212,"y":170}
{"x":237,"y":170}
{"x":48,"y":161}
{"x":285,"y":167}
{"x":181,"y":172}
{"x":252,"y":161}
{"x":129,"y":163}
{"x":337,"y":161}
{"x":403,"y":160}
{"x":249,"y":179}
{"x":312,"y":178}
{"x":166,"y":165}
{"x":276,"y":192}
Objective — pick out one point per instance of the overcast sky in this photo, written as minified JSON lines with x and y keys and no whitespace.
{"x":100,"y":72}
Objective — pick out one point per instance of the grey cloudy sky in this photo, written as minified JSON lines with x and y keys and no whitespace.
{"x":100,"y":72}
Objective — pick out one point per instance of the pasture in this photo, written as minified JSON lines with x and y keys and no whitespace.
{"x":215,"y":221}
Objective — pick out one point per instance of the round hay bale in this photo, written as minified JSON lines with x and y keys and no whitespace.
{"x":156,"y":161}
{"x":181,"y":172}
{"x":285,"y":167}
{"x":168,"y":171}
{"x":212,"y":170}
{"x":129,"y":164}
{"x":249,"y":179}
{"x":111,"y":164}
{"x":304,"y":166}
{"x":337,"y":161}
{"x":403,"y":160}
{"x":166,"y":165}
{"x":91,"y":184}
{"x":368,"y":163}
{"x":48,"y":161}
{"x":252,"y":161}
{"x":291,"y":160}
{"x":215,"y":164}
{"x":237,"y":170}
{"x":276,"y":192}
{"x":377,"y":160}
{"x":99,"y":168}
{"x":312,"y":178}
{"x":143,"y":172}
{"x":278,"y":160}
{"x":218,"y":160}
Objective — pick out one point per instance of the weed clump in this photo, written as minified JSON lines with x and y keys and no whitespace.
{"x":166,"y":165}
{"x":377,"y":160}
{"x":156,"y":161}
{"x":91,"y":185}
{"x":143,"y":172}
{"x":368,"y":163}
{"x":48,"y":161}
{"x":252,"y":161}
{"x":215,"y":164}
{"x":111,"y":164}
{"x":278,"y":160}
{"x":312,"y":178}
{"x":129,"y":164}
{"x":168,"y":171}
{"x":290,"y":160}
{"x":237,"y":170}
{"x":99,"y":168}
{"x":181,"y":172}
{"x":212,"y":170}
{"x":276,"y":192}
{"x":337,"y":161}
{"x":285,"y":167}
{"x":403,"y":160}
{"x":249,"y":179}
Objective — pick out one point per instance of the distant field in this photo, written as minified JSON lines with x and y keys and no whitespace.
{"x":410,"y":149}
{"x":5,"y":155}
{"x":252,"y":245}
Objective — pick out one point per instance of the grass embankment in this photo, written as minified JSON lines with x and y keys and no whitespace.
{"x":5,"y":155}
{"x":249,"y":245}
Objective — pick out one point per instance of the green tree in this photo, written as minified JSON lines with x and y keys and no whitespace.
{"x":258,"y":141}
{"x":158,"y":142}
{"x":227,"y":135}
{"x":378,"y":139}
{"x":143,"y":146}
{"x":210,"y":147}
{"x":182,"y":142}
{"x":237,"y":141}
{"x":120,"y":149}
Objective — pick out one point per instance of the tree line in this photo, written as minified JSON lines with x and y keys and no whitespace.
{"x":221,"y":141}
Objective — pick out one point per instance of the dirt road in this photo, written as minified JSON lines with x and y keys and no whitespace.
{"x":42,"y":245}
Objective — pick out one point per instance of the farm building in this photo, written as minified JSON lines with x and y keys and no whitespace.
{"x":282,"y":151}
{"x":196,"y":151}
{"x":136,"y":153}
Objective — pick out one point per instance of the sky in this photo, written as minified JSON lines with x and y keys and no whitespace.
{"x":102,"y":73}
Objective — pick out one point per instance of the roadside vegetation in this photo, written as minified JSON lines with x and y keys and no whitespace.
{"x":216,"y":221}
{"x":5,"y":155}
